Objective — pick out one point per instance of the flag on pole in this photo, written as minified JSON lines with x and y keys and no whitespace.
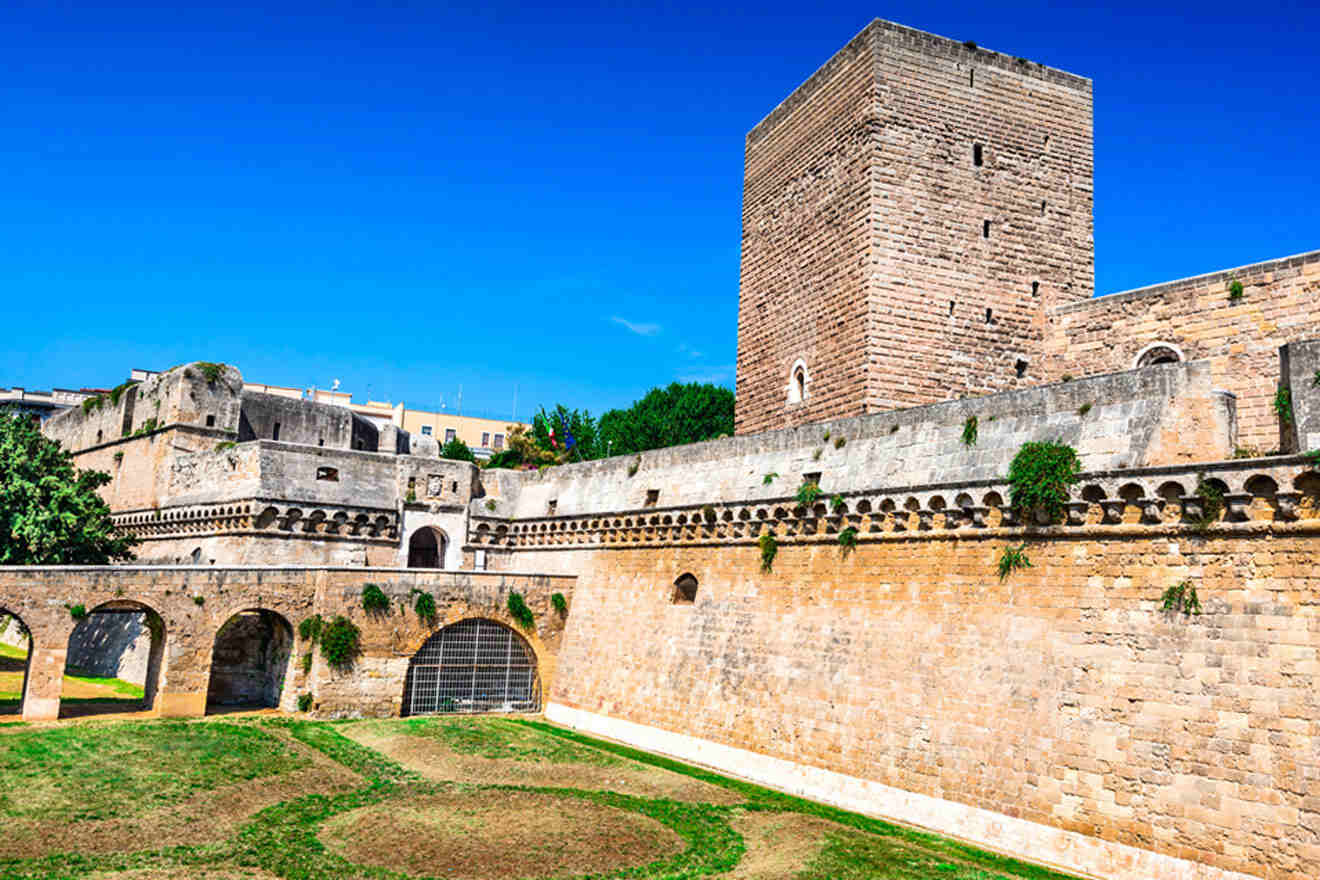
{"x":569,"y":442}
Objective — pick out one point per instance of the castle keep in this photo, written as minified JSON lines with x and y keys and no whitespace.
{"x":917,"y":257}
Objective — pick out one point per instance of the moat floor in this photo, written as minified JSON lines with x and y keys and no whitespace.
{"x":263,"y":796}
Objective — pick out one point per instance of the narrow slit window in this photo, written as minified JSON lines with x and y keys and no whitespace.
{"x":550,"y":506}
{"x":652,"y":497}
{"x":1035,"y":288}
{"x":210,"y":421}
{"x":985,"y":229}
{"x":275,"y":432}
{"x":1021,"y":368}
{"x":971,"y":78}
{"x":989,"y":316}
{"x":951,"y":307}
{"x":1042,"y":207}
{"x":977,"y":158}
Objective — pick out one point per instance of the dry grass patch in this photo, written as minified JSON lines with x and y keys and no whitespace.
{"x":779,"y":845}
{"x":493,"y":751}
{"x":78,"y":789}
{"x":493,"y":835}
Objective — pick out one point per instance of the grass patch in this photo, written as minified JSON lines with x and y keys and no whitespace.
{"x":83,"y":772}
{"x":504,"y":739}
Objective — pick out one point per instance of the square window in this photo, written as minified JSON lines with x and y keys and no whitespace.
{"x":426,"y":430}
{"x":499,"y":441}
{"x":450,"y":434}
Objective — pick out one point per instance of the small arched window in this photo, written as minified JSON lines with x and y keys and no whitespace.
{"x":797,"y":382}
{"x":685,"y":590}
{"x":1158,"y":353}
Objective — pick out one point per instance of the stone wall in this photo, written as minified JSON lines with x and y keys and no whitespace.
{"x":195,"y":603}
{"x":908,"y":213}
{"x":1160,"y":416}
{"x":1198,"y":320}
{"x":1300,"y":371}
{"x":1058,"y":714}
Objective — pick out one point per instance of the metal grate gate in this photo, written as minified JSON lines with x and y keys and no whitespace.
{"x":473,"y":666}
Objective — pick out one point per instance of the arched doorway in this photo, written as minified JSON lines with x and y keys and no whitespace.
{"x":15,"y":657}
{"x":426,"y":548}
{"x":113,"y":661}
{"x":475,"y":665}
{"x":250,"y":660}
{"x":1158,"y":353}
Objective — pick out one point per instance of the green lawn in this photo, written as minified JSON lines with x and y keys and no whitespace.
{"x":412,"y":800}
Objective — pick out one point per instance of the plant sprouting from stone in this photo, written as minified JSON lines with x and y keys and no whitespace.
{"x":1283,"y":407}
{"x":769,"y":478}
{"x":847,"y":541}
{"x":708,"y":513}
{"x":769,"y":548}
{"x":837,"y":504}
{"x":559,"y":603}
{"x":815,"y":456}
{"x":1315,"y":382}
{"x":1181,"y":597}
{"x":519,"y":611}
{"x":970,"y":427}
{"x":1039,"y":478}
{"x":1235,"y":290}
{"x":78,"y":612}
{"x":491,"y":505}
{"x":424,"y":605}
{"x":1013,"y":558}
{"x":211,"y":372}
{"x":1083,"y":410}
{"x":310,"y":629}
{"x":1314,"y":456}
{"x":808,"y":493}
{"x":304,"y":701}
{"x":840,"y":441}
{"x":1212,"y":503}
{"x":374,"y":600}
{"x":307,"y":662}
{"x":340,"y":642}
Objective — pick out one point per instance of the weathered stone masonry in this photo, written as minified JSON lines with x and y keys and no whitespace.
{"x":41,"y":597}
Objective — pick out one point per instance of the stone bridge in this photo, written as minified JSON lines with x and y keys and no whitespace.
{"x":250,"y":615}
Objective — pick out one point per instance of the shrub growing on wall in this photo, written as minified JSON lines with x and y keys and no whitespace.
{"x":310,"y":629}
{"x":769,"y":548}
{"x":559,"y":603}
{"x":374,"y":600}
{"x":808,"y":493}
{"x":424,"y":605}
{"x":1283,"y":407}
{"x":1012,"y":559}
{"x":340,"y":642}
{"x":1039,"y":478}
{"x":519,"y":611}
{"x":970,"y":428}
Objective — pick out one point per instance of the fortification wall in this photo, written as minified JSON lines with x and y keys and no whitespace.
{"x":1240,"y":339}
{"x":1140,"y":418}
{"x":1058,"y":714}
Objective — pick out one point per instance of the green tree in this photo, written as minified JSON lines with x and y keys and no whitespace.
{"x":457,"y":450}
{"x":580,"y":424}
{"x":50,"y":513}
{"x":681,"y":413}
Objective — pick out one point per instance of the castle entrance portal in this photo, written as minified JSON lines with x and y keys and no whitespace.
{"x":426,"y":548}
{"x":474,"y":665}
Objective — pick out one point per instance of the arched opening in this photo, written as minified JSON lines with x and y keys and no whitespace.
{"x":113,"y":661}
{"x":1158,"y":353}
{"x":15,"y":656}
{"x":426,"y":548}
{"x":797,"y":382}
{"x":250,"y":661}
{"x":475,"y":665}
{"x":685,"y":590}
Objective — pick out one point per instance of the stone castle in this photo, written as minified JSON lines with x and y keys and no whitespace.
{"x":917,"y":259}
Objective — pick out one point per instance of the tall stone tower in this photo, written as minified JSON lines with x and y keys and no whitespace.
{"x":909,"y":214}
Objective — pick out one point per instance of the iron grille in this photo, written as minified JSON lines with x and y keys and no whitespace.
{"x":473,"y":666}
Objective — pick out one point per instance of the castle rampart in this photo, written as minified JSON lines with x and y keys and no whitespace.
{"x":1198,"y":319}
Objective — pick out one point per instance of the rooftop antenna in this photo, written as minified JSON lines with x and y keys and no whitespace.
{"x":460,"y":400}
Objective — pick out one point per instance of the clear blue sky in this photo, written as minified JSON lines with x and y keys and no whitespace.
{"x":410,"y":197}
